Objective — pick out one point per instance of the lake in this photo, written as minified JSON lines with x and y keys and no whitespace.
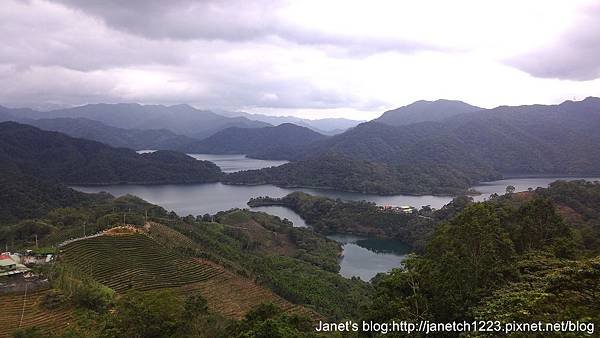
{"x":363,"y":257}
{"x":233,"y":163}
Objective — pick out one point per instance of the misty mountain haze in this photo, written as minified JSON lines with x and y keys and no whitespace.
{"x":181,"y":119}
{"x":327,"y":126}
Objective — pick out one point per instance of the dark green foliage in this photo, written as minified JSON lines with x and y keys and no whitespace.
{"x":267,"y":321}
{"x":578,"y":202}
{"x":95,"y":212}
{"x":236,"y":140}
{"x":326,"y":292}
{"x":537,"y":226}
{"x":345,"y":173}
{"x":328,"y":216}
{"x":466,"y":258}
{"x":30,"y":332}
{"x":306,"y":275}
{"x":79,"y":288}
{"x":448,"y":156}
{"x":23,"y":196}
{"x":54,"y":299}
{"x":548,"y":290}
{"x":147,"y":315}
{"x":513,"y":258}
{"x":57,"y":157}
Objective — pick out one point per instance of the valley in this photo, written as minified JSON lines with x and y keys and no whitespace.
{"x":305,"y":237}
{"x":299,"y":169}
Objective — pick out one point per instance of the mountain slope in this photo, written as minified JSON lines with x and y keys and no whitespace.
{"x":249,"y":140}
{"x":54,"y":156}
{"x":137,"y":139}
{"x":422,"y":111}
{"x":532,"y":140}
{"x":327,"y":126}
{"x":180,"y":119}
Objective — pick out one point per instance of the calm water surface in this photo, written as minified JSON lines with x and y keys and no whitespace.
{"x":363,"y":257}
{"x":233,"y":163}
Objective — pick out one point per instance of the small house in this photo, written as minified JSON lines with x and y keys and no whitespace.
{"x":8,"y":266}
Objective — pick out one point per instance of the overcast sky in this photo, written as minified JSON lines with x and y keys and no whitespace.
{"x":311,"y":58}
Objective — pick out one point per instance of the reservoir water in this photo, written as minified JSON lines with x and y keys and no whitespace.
{"x":363,"y":257}
{"x":232,"y":163}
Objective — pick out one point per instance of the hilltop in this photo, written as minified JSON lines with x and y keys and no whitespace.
{"x":56,"y":157}
{"x":423,"y":111}
{"x":458,"y":152}
{"x":235,"y":140}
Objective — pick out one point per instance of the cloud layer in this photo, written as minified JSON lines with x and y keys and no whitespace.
{"x":311,"y":58}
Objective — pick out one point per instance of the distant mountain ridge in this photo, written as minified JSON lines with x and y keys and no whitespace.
{"x":236,"y":140}
{"x":180,"y":119}
{"x":136,"y":139}
{"x":326,"y":126}
{"x":463,"y":149}
{"x":424,"y":111}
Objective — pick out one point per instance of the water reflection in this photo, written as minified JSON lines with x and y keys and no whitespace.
{"x":365,"y":257}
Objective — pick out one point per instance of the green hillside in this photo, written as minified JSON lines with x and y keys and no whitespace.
{"x":453,"y":153}
{"x":57,"y":157}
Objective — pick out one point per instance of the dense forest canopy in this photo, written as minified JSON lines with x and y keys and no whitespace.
{"x":53,"y":156}
{"x":462,"y":149}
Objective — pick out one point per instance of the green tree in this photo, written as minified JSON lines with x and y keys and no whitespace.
{"x":269,"y":321}
{"x":147,"y":315}
{"x":466,"y":259}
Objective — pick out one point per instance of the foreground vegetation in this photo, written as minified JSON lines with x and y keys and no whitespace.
{"x":233,"y":261}
{"x":514,"y":258}
{"x":523,"y":257}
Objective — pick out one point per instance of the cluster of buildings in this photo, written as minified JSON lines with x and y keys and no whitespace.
{"x":403,"y":209}
{"x":16,"y":263}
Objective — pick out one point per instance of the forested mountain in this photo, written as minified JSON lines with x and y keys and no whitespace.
{"x":346,"y":173}
{"x":23,"y":196}
{"x":423,"y":111}
{"x":54,"y":156}
{"x":180,"y":119}
{"x":235,"y":140}
{"x":327,"y":126}
{"x":137,"y":139}
{"x":533,"y":140}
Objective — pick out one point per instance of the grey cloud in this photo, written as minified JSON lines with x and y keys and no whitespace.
{"x":229,"y":20}
{"x":41,"y":36}
{"x":574,"y":56}
{"x":232,"y":20}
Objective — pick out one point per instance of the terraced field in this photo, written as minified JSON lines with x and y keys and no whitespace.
{"x":137,"y":262}
{"x":134,"y":261}
{"x":12,"y":306}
